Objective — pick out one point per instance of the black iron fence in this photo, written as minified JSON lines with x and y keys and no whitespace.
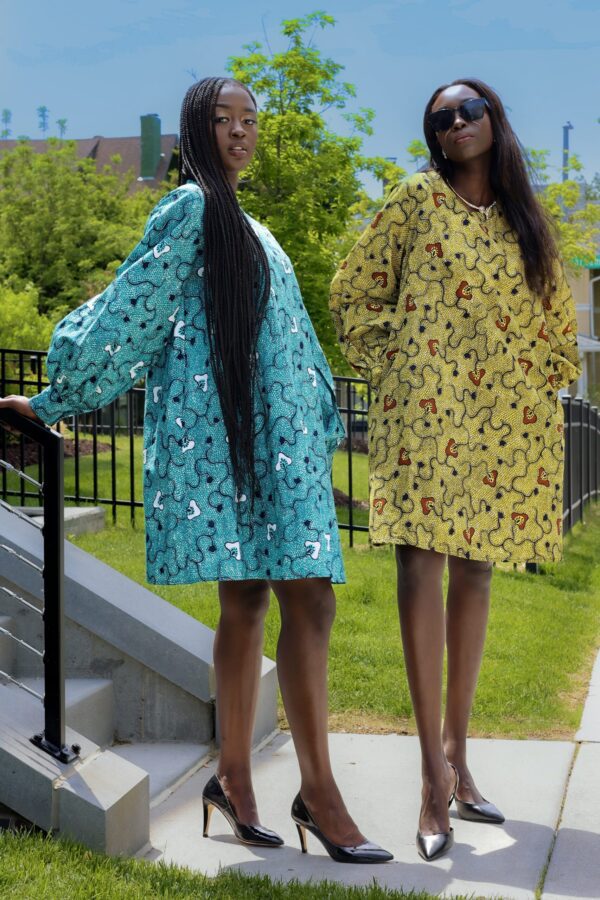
{"x":49,"y":466}
{"x":103,"y":449}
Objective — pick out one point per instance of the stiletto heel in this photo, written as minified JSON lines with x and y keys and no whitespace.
{"x":213,"y":796}
{"x":302,"y":836}
{"x":208,"y":808}
{"x":453,"y":794}
{"x":362,"y":853}
{"x":432,"y":846}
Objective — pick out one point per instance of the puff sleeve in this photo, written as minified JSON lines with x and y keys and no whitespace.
{"x":106,"y":346}
{"x":364,"y":291}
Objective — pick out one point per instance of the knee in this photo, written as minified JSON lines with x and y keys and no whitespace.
{"x":417,"y":567}
{"x":244,"y":603}
{"x":309,"y":603}
{"x":476,"y":572}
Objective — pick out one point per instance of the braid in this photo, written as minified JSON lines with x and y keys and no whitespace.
{"x":236,"y":278}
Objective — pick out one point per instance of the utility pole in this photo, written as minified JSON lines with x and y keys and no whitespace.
{"x":565,"y":164}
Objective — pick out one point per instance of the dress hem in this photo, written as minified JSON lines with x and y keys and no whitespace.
{"x":254,"y":577}
{"x":475,"y":555}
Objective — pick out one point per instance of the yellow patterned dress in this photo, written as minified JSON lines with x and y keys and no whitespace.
{"x":466,"y":429}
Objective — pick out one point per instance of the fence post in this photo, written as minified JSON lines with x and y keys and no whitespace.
{"x":595,"y":451}
{"x":568,"y":451}
{"x":581,"y":458}
{"x":349,"y":445}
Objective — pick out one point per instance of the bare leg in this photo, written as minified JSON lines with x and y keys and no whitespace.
{"x":307,"y":614}
{"x":237,"y":658}
{"x":421,"y":608}
{"x":466,"y":622}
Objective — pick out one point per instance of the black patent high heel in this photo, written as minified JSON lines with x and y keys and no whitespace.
{"x":213,"y":796}
{"x":362,"y":853}
{"x":432,"y":846}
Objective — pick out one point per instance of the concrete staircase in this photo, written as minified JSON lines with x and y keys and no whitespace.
{"x":139,"y":698}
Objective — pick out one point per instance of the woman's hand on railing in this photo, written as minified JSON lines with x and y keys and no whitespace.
{"x":20,"y":405}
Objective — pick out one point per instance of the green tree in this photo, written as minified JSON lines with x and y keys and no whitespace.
{"x":62,"y":127}
{"x":43,"y":115}
{"x":22,"y":326}
{"x":304,"y":181}
{"x":6,"y":118}
{"x":572,"y":206}
{"x":418,"y":152}
{"x":64,"y":227}
{"x":592,"y":189}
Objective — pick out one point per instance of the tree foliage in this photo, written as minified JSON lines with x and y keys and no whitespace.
{"x":304,"y":181}
{"x":572,"y":206}
{"x":418,"y":152}
{"x":43,"y":113}
{"x":22,"y":326}
{"x":5,"y":118}
{"x":64,"y":227}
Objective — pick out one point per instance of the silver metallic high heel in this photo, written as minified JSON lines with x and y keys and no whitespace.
{"x":479,"y":812}
{"x":432,"y":846}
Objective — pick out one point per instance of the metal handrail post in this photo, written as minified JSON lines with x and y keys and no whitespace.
{"x":53,"y":532}
{"x":52,"y":739}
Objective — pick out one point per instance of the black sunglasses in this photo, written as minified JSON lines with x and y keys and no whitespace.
{"x":470,"y":110}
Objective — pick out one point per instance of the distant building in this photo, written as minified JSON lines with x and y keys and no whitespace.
{"x":150,"y":156}
{"x":585,"y":285}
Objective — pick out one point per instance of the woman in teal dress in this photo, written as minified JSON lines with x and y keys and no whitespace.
{"x":240,"y":428}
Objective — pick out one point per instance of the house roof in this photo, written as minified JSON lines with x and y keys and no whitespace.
{"x":102,"y":150}
{"x":588,"y":344}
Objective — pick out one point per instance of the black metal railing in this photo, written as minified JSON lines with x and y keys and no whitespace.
{"x":111,"y":431}
{"x":50,"y":488}
{"x":105,"y":443}
{"x":582,"y":458}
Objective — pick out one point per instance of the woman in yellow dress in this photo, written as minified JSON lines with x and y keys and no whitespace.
{"x":455,"y":307}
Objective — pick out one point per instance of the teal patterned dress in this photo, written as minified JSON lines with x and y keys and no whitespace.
{"x":151,"y":322}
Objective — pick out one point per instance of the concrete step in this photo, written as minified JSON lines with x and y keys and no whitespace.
{"x":78,"y":519}
{"x":7,"y":646}
{"x":168,"y":764}
{"x":98,"y":799}
{"x":89,"y":706}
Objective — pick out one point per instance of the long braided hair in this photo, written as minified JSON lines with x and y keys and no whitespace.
{"x":510,"y":182}
{"x":236,"y":277}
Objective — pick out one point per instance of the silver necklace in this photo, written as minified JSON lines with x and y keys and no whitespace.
{"x":484,"y":210}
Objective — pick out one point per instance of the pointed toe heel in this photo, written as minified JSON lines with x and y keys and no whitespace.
{"x":432,"y":846}
{"x":362,"y":853}
{"x":214,"y":797}
{"x":484,"y":812}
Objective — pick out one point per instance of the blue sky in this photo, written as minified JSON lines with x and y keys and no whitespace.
{"x":100,"y":65}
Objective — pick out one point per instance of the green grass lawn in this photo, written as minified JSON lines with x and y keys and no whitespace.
{"x":543,"y":635}
{"x":34,"y":866}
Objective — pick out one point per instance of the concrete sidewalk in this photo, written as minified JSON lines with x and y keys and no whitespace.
{"x":548,"y":790}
